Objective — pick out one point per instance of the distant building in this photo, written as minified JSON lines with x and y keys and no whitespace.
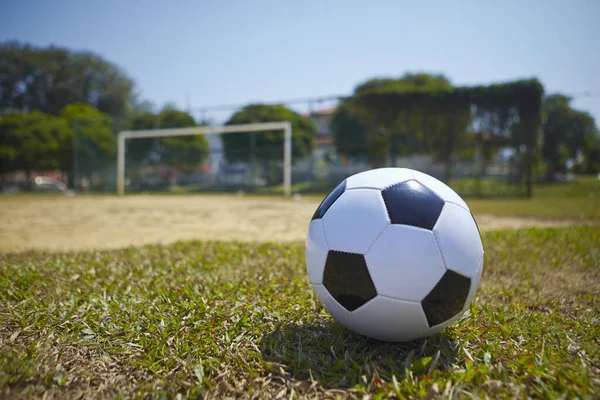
{"x":322,"y":118}
{"x":324,"y":146}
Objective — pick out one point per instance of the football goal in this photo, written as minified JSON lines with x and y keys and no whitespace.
{"x":129,"y":144}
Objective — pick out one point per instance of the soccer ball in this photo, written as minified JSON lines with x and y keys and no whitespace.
{"x":394,"y":254}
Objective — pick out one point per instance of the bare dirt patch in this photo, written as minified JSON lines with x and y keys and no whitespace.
{"x":107,"y":222}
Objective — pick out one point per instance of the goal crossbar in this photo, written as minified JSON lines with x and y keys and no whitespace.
{"x":285,"y":126}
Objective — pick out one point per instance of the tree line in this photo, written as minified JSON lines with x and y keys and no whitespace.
{"x":59,"y":106}
{"x":420,"y":112}
{"x":56,"y":103}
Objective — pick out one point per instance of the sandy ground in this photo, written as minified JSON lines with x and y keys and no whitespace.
{"x":105,"y":222}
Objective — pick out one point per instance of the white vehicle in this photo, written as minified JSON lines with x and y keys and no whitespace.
{"x":394,"y":254}
{"x":45,"y":184}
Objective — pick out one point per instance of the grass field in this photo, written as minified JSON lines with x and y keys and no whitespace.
{"x":239,"y":319}
{"x":579,"y":199}
{"x":236,"y":317}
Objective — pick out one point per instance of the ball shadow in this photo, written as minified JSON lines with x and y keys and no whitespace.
{"x":327,"y":352}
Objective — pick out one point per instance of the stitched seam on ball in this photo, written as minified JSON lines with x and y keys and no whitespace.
{"x":479,"y":266}
{"x":325,"y":235}
{"x":386,"y":297}
{"x":462,"y":273}
{"x":376,"y":238}
{"x":456,"y":204}
{"x":364,"y":188}
{"x":436,"y":193}
{"x":401,"y":300}
{"x":363,"y":306}
{"x":479,"y":263}
{"x":432,"y":191}
{"x":416,"y":228}
{"x":387,"y":213}
{"x":437,"y":241}
{"x":398,"y":183}
{"x":331,"y":297}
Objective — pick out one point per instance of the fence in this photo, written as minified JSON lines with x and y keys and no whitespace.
{"x":479,"y":165}
{"x":204,"y":164}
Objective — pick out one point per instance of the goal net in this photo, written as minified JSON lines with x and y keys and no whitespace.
{"x":207,"y":158}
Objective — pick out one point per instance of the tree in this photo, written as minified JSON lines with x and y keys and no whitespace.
{"x":178,"y":151}
{"x":89,"y":145}
{"x":582,"y":139}
{"x":409,"y":82}
{"x":138,"y":150}
{"x":449,"y":136}
{"x":266,"y":148}
{"x":349,"y":133}
{"x":30,"y":141}
{"x":440,"y":120}
{"x":567,"y":133}
{"x":385,"y":136}
{"x":182,"y":151}
{"x":592,"y":159}
{"x":414,"y":127}
{"x":48,"y":79}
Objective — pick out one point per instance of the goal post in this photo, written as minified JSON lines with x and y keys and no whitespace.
{"x":285,"y":126}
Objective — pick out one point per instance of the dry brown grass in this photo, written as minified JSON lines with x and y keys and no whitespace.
{"x":108,"y":222}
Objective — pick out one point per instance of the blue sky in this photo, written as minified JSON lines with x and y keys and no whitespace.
{"x":226,"y":51}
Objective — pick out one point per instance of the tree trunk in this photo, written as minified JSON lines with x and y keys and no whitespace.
{"x":550,"y":168}
{"x":28,"y":183}
{"x":70,"y":180}
{"x":449,"y":151}
{"x":448,"y":171}
{"x":393,"y":151}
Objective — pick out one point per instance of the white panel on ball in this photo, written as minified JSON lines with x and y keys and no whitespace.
{"x":440,"y":188}
{"x":339,"y":313}
{"x":405,"y":262}
{"x":355,"y":220}
{"x":459,"y":240}
{"x":315,"y":251}
{"x":390,"y":320}
{"x":379,"y":178}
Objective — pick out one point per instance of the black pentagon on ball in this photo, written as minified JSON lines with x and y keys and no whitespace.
{"x":411,"y":203}
{"x":329,"y":200}
{"x":447,"y":298}
{"x":347,"y":279}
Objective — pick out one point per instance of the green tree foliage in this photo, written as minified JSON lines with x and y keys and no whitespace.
{"x":49,"y":78}
{"x":349,"y":132}
{"x":408,"y":129}
{"x":37,"y":141}
{"x":31,"y":141}
{"x":138,"y":150}
{"x":177,"y":151}
{"x":440,"y":119}
{"x":409,"y":82}
{"x":268,"y":145}
{"x":592,"y":159}
{"x":266,"y":148}
{"x":90,"y":141}
{"x":182,"y":151}
{"x":567,"y":133}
